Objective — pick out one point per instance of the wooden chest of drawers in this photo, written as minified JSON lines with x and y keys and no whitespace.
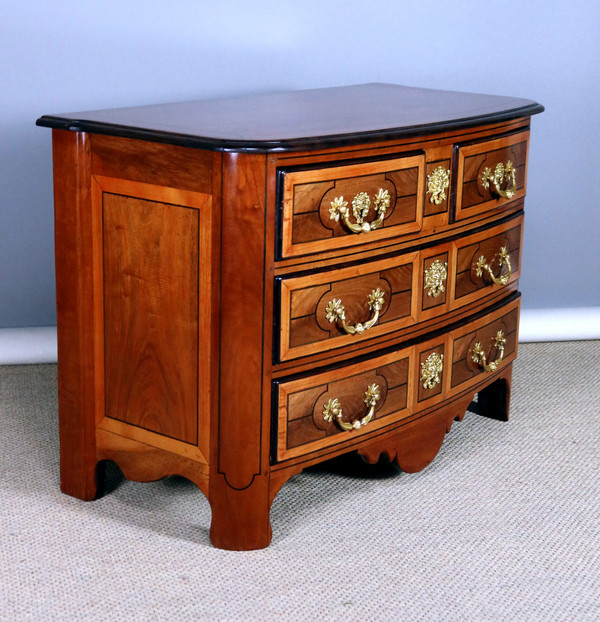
{"x":248,"y":287}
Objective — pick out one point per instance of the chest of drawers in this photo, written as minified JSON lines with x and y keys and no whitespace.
{"x":248,"y":287}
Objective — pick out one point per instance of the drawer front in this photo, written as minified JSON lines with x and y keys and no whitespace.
{"x":337,"y":308}
{"x":486,"y":262}
{"x":483,"y":348}
{"x":343,"y":404}
{"x":308,"y":408}
{"x":341,"y":307}
{"x":491,"y":174}
{"x":335,"y":207}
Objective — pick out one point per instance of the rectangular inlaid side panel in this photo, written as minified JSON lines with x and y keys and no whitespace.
{"x":151,"y":280}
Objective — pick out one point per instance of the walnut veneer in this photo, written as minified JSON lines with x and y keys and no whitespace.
{"x":218,"y":317}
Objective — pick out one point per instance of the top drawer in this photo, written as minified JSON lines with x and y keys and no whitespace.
{"x":491,"y":174}
{"x":343,"y":205}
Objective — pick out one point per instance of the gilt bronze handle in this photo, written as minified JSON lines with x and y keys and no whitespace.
{"x":336,"y":312}
{"x":435,"y":278}
{"x":479,"y":358}
{"x":361,"y":205}
{"x":332,"y":410}
{"x":502,"y":175}
{"x":431,"y":370}
{"x":503,"y":260}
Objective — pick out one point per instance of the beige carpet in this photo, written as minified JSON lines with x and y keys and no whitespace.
{"x":503,"y":525}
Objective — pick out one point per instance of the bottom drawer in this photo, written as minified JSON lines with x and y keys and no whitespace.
{"x":349,"y":402}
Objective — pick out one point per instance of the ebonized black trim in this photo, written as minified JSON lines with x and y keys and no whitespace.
{"x":302,"y":120}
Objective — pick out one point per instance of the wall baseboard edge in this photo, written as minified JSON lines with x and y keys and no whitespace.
{"x":575,"y":324}
{"x":26,"y":346}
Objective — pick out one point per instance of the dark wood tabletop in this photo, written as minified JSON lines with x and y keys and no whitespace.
{"x":295,"y":120}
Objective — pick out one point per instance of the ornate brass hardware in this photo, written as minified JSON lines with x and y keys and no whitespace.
{"x":479,"y":358}
{"x":336,"y":312}
{"x":332,"y":410}
{"x":482,"y":266}
{"x":502,"y":174}
{"x":437,"y":184}
{"x":361,"y":205}
{"x":435,"y":277}
{"x":431,"y":368}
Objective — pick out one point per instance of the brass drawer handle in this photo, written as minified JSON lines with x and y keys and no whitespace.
{"x":361,"y":205}
{"x":336,"y":311}
{"x":502,"y":174}
{"x":332,"y":410}
{"x":503,"y":260}
{"x":479,"y":358}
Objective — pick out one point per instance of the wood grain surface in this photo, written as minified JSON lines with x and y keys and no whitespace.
{"x":196,"y":257}
{"x":472,"y":198}
{"x":317,"y":118}
{"x":306,"y":197}
{"x":151,"y":324}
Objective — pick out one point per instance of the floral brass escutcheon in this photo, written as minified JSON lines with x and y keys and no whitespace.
{"x":435,"y":278}
{"x":437,"y":184}
{"x":431,"y":368}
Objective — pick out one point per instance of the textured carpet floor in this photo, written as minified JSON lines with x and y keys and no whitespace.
{"x":503,"y":525}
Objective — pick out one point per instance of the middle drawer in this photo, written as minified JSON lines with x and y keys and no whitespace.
{"x":335,"y":308}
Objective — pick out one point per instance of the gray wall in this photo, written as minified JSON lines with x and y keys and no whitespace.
{"x":67,"y":55}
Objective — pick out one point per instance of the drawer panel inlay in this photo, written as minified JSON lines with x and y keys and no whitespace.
{"x":495,"y":338}
{"x":304,"y":420}
{"x":500,"y":247}
{"x":308,"y":304}
{"x":491,"y":174}
{"x":339,"y":206}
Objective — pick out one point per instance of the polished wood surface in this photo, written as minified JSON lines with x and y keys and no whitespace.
{"x":192,"y":285}
{"x":304,"y":300}
{"x":300,"y":119}
{"x":472,"y":197}
{"x":75,"y":310}
{"x":152,"y":246}
{"x":307,"y":226}
{"x":239,"y":483}
{"x":153,"y":163}
{"x":151,"y":367}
